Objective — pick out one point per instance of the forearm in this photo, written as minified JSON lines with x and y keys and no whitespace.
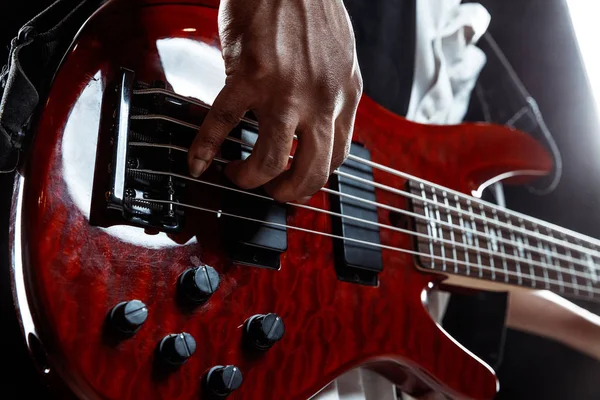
{"x":546,"y":314}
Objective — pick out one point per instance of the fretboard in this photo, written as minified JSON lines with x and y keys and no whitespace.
{"x":465,"y":236}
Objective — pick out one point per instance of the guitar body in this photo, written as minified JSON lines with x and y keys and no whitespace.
{"x":68,"y":273}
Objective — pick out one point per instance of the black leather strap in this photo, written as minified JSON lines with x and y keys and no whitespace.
{"x":35,"y":54}
{"x":503,"y":99}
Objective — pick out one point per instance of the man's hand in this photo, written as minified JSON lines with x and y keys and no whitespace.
{"x":293,"y":63}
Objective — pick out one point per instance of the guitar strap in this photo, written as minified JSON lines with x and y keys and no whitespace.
{"x":34,"y":56}
{"x":503,"y":99}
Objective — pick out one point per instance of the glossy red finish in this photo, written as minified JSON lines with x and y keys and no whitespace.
{"x":75,"y":272}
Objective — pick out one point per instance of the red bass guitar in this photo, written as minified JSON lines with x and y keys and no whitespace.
{"x":135,"y":281}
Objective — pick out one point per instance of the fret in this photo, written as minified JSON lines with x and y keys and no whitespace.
{"x":543,"y":259}
{"x":590,"y":269}
{"x":441,"y":233}
{"x":502,"y":249}
{"x":593,"y":275}
{"x":572,"y":268}
{"x":528,"y":254}
{"x":476,"y":237}
{"x":516,"y":252}
{"x":489,"y":242}
{"x":452,"y":238}
{"x":560,"y":267}
{"x":492,"y":242}
{"x":593,"y":266}
{"x":429,"y":222}
{"x":579,"y":268}
{"x":464,"y":236}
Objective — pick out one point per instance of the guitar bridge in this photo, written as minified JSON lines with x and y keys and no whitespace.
{"x":143,"y":162}
{"x":151,"y":129}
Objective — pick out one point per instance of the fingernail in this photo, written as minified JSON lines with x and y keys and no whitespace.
{"x":198,"y":167}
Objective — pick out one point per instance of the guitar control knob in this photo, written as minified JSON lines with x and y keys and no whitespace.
{"x":175,"y":349}
{"x":223,"y":380}
{"x":127,"y":317}
{"x":199,"y":283}
{"x":263,"y":330}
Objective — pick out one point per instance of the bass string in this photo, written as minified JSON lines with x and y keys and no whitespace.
{"x":428,"y":219}
{"x":385,"y":226}
{"x":219,"y":213}
{"x":582,"y":238}
{"x":503,"y":256}
{"x":378,"y":205}
{"x":537,"y":235}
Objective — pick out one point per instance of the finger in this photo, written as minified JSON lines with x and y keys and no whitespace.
{"x":270,"y":155}
{"x":341,"y":144}
{"x":310,"y":169}
{"x":227,"y":111}
{"x":344,"y":126}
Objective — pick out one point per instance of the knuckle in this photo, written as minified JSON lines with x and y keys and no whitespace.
{"x":320,"y":181}
{"x":358,"y":80}
{"x":283,"y":125}
{"x":327,"y":90}
{"x":310,"y":183}
{"x":356,"y":89}
{"x":299,"y":186}
{"x":353,"y":84}
{"x":272,"y":164}
{"x":346,"y":151}
{"x":338,"y":159}
{"x":286,"y":102}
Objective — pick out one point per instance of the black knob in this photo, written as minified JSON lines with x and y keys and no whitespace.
{"x":128,"y":316}
{"x":176,"y":348}
{"x":199,"y":283}
{"x":222,"y":380}
{"x":263,"y":330}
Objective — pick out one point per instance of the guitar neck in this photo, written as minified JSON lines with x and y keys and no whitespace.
{"x":464,"y":236}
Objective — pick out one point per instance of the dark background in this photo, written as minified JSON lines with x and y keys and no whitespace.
{"x":537,"y":38}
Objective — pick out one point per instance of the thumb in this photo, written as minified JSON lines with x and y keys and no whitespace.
{"x":227,"y":110}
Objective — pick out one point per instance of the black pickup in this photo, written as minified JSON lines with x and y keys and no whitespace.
{"x":356,"y":262}
{"x":249,"y":242}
